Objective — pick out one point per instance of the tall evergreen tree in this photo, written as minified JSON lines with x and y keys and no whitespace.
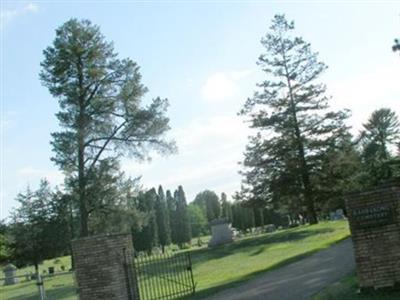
{"x":243,"y":217}
{"x":171,"y":206}
{"x":341,"y":173}
{"x":209,"y":201}
{"x":294,"y":125}
{"x":38,"y":227}
{"x":146,"y":237}
{"x":101,"y":114}
{"x":184,"y":233}
{"x":380,"y":133}
{"x":164,"y":231}
{"x":226,"y":208}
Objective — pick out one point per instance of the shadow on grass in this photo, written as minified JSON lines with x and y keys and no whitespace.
{"x":213,"y":290}
{"x":201,"y":255}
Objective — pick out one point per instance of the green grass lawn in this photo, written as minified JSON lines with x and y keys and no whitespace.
{"x":229,"y":265}
{"x":218,"y":268}
{"x":347,"y":289}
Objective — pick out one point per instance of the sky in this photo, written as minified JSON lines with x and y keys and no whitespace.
{"x":201,"y":55}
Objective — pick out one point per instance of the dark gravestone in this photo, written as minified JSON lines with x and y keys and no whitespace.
{"x":374,"y":217}
{"x":104,"y":268}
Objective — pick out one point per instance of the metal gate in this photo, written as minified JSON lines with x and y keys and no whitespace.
{"x":164,"y":276}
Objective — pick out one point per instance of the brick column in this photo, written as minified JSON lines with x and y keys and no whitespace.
{"x":374,"y":217}
{"x":104,"y":267}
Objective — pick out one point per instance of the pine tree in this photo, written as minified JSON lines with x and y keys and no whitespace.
{"x":146,"y":237}
{"x":209,"y":202}
{"x":396,"y":45}
{"x":38,"y":226}
{"x":381,"y":132}
{"x":226,"y":209}
{"x":243,"y":217}
{"x":184,"y":233}
{"x":171,"y":207}
{"x":101,"y":112}
{"x":294,"y":125}
{"x":164,"y":231}
{"x":341,"y":173}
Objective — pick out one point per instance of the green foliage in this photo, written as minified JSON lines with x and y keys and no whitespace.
{"x":101,"y":113}
{"x":198,"y":220}
{"x":5,"y":252}
{"x":119,"y":211}
{"x":380,"y":133}
{"x":209,"y":202}
{"x":38,"y":228}
{"x":171,"y":207}
{"x":226,"y":208}
{"x":243,"y":217}
{"x":341,"y":173}
{"x":146,"y":237}
{"x":162,"y":216}
{"x":184,"y":234}
{"x":396,"y":46}
{"x":295,"y":126}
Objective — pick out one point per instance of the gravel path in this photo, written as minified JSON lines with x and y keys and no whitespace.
{"x":299,"y":280}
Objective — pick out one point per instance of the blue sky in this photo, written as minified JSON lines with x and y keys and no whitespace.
{"x":202,"y":57}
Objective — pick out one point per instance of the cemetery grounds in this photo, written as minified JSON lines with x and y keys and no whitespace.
{"x":218,"y":268}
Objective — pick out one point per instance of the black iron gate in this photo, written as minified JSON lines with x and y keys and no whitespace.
{"x":164,"y":276}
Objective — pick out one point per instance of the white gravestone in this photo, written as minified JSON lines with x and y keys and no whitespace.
{"x":221,"y":231}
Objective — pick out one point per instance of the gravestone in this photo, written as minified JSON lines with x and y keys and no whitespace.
{"x":374,"y":217}
{"x":221,"y":233}
{"x":270,"y":228}
{"x":336,"y":215}
{"x":10,"y":271}
{"x":104,"y":267}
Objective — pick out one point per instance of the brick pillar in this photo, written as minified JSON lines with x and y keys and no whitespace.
{"x":104,"y":267}
{"x":374,"y":217}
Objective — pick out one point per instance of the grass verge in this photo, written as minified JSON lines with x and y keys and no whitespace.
{"x":347,"y":289}
{"x":218,"y":268}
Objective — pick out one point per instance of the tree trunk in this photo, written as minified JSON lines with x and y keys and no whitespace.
{"x":83,"y":209}
{"x":312,"y":216}
{"x":81,"y":182}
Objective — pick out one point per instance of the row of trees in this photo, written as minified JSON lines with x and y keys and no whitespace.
{"x":45,"y":221}
{"x":303,"y":158}
{"x":168,"y":220}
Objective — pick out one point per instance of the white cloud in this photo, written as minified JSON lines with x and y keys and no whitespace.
{"x":222,"y":86}
{"x":205,"y":132}
{"x":209,"y":152}
{"x":31,"y":7}
{"x":9,"y":14}
{"x":367,"y":92}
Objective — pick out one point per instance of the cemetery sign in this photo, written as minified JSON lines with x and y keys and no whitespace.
{"x":374,"y":217}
